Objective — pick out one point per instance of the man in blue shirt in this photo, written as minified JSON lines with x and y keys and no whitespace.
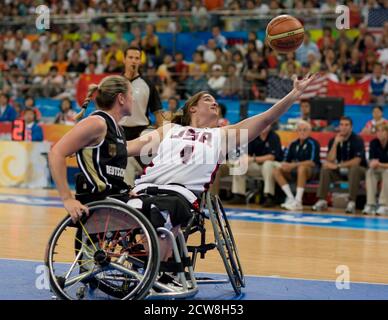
{"x":262,"y":152}
{"x":307,"y":45}
{"x":378,"y":171}
{"x":7,"y":113}
{"x":345,"y":160}
{"x":302,"y":160}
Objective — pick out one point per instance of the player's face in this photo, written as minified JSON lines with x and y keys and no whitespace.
{"x":207,"y":107}
{"x":133,"y":59}
{"x":126,"y":101}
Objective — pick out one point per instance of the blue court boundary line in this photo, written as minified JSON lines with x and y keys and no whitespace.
{"x":222,"y":274}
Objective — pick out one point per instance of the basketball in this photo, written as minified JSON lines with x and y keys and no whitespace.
{"x":285,"y":33}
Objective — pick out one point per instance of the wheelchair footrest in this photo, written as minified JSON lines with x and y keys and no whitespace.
{"x":202,"y":248}
{"x":172,"y":266}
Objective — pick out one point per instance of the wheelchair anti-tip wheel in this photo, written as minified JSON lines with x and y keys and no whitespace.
{"x":225,"y":243}
{"x":112,"y":254}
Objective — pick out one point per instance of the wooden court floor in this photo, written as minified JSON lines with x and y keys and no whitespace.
{"x":266,"y":249}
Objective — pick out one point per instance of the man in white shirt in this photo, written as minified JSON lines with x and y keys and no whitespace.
{"x":217,"y":80}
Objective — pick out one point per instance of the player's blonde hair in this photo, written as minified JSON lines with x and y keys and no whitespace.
{"x":107,"y":91}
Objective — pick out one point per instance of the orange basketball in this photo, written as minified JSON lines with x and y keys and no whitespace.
{"x":285,"y":33}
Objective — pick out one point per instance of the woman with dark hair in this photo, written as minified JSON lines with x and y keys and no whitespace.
{"x":67,"y":114}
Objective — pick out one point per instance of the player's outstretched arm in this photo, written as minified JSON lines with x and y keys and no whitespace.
{"x":257,"y":123}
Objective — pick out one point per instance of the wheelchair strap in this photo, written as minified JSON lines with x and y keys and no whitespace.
{"x":153,"y":189}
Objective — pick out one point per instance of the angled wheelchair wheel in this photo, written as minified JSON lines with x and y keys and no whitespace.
{"x":112,"y":254}
{"x":225,"y":243}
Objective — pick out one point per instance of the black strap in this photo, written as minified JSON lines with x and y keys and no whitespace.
{"x":172,"y":266}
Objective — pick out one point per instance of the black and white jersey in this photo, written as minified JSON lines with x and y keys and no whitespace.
{"x":146,"y":100}
{"x":104,"y":165}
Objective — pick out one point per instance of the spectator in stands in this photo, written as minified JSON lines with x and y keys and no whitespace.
{"x":342,"y":38}
{"x":196,"y":82}
{"x":92,"y":68}
{"x":383,"y":43}
{"x":113,"y":67}
{"x":150,"y":44}
{"x":371,"y":125}
{"x":238,"y":62}
{"x":173,"y":104}
{"x":256,"y":75}
{"x":263,"y":152}
{"x":379,"y":85}
{"x":233,"y":85}
{"x":198,"y":61}
{"x":219,"y":38}
{"x":77,"y":47}
{"x":290,"y":61}
{"x":209,"y":55}
{"x":329,"y":59}
{"x":180,"y":69}
{"x":217,"y":80}
{"x":328,"y":6}
{"x":67,"y":114}
{"x":114,"y":52}
{"x":345,"y":160}
{"x":327,"y":40}
{"x":43,"y":67}
{"x":169,"y":88}
{"x":61,"y":63}
{"x":221,"y":58}
{"x":29,"y":102}
{"x":33,"y":131}
{"x":371,"y":58}
{"x":307,"y":45}
{"x":75,"y":65}
{"x":313,"y":62}
{"x":261,"y":8}
{"x":153,"y":77}
{"x":7,"y":112}
{"x":200,"y":16}
{"x":378,"y":171}
{"x":353,"y":67}
{"x":166,"y":68}
{"x":252,"y":36}
{"x":301,"y":161}
{"x":52,"y":84}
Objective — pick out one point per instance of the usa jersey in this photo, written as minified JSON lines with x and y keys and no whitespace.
{"x":187,"y":156}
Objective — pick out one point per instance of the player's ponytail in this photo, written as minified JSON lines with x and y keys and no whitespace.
{"x":91,"y":90}
{"x":107,"y":91}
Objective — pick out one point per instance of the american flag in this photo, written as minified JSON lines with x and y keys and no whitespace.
{"x":317,"y":88}
{"x":279,"y":87}
{"x":377,"y":17}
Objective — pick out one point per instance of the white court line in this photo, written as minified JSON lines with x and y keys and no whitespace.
{"x":245,"y":275}
{"x":309,"y":237}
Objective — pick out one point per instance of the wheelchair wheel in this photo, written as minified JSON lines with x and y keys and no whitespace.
{"x":228,"y":234}
{"x":225,"y":243}
{"x":112,"y":254}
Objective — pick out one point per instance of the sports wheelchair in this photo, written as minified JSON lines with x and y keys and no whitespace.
{"x":113,"y":253}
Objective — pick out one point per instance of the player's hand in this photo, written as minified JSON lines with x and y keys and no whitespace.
{"x":75,"y":209}
{"x":301,"y":85}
